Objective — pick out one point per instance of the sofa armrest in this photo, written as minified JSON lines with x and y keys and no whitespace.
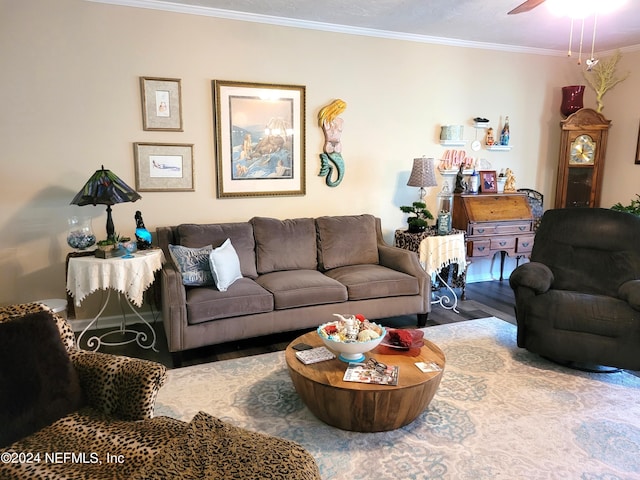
{"x":174,"y":305}
{"x":117,"y":385}
{"x":407,"y":262}
{"x":630,"y":292}
{"x":536,"y":276}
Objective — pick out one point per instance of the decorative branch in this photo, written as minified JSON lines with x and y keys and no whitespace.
{"x":602,"y":77}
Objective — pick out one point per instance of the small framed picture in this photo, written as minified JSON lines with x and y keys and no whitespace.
{"x":488,"y":181}
{"x":161,"y":104}
{"x":164,"y":167}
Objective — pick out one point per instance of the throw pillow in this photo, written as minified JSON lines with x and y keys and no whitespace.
{"x":193,"y":264}
{"x":225,"y":265}
{"x":38,"y":383}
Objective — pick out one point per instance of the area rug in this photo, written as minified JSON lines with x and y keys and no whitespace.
{"x":500,"y":413}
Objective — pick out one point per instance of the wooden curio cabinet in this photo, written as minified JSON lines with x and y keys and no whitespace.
{"x":583,"y":144}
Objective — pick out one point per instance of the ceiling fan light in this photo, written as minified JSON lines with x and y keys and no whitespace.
{"x":579,"y":9}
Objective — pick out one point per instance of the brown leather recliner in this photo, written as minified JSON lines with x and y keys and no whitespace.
{"x":578,"y":300}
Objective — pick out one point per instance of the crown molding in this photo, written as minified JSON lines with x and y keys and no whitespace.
{"x":326,"y":27}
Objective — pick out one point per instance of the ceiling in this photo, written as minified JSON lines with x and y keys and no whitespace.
{"x":474,"y":23}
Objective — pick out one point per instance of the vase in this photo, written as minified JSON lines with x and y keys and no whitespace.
{"x":571,"y":99}
{"x":80,"y":234}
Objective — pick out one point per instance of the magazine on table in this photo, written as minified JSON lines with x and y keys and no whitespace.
{"x":315,"y":355}
{"x":372,"y":372}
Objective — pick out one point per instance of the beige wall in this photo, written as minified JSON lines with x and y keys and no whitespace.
{"x":71,"y":102}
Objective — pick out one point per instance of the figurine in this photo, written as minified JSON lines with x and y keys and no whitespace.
{"x":490,"y":140}
{"x":510,"y":184}
{"x":461,"y":186}
{"x":143,"y":237}
{"x":504,"y":135}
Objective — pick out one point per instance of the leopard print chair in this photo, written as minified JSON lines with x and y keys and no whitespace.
{"x":113,"y":435}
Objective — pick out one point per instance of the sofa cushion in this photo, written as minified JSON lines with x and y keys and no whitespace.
{"x":374,"y":281}
{"x":193,"y":264}
{"x":244,"y":297}
{"x":302,"y":288}
{"x":346,"y":240}
{"x":285,"y":244}
{"x":225,"y":265}
{"x":38,"y":384}
{"x":241,"y":235}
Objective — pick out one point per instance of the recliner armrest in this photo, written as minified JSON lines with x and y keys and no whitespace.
{"x":630,"y":292}
{"x":117,"y":385}
{"x":536,"y":276}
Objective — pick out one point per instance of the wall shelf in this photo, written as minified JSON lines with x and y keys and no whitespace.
{"x":499,"y":148}
{"x":453,"y":143}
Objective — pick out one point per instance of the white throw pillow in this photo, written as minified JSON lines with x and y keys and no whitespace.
{"x":225,"y":265}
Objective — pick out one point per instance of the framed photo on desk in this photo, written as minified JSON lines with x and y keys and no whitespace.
{"x":488,"y":181}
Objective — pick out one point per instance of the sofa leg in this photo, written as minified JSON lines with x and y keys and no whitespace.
{"x":176,"y":358}
{"x":422,"y":319}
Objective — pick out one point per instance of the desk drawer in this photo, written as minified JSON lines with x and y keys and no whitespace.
{"x":503,"y":243}
{"x":518,"y":228}
{"x":485,"y":229}
{"x":479,"y":248}
{"x":525,"y":244}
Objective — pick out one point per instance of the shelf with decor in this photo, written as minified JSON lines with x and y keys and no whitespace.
{"x":499,"y":148}
{"x":453,"y":143}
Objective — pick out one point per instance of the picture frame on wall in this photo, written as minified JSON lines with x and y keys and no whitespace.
{"x":164,"y":167}
{"x":638,"y":149}
{"x":488,"y":181}
{"x":260,"y":139}
{"x":161,"y":104}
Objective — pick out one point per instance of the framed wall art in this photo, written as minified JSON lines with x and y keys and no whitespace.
{"x":488,"y":181}
{"x":259,"y":131}
{"x":638,"y":149}
{"x":164,"y":167}
{"x":161,"y":104}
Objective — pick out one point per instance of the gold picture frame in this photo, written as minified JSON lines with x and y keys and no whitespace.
{"x":161,"y":104}
{"x":260,"y":139}
{"x":164,"y":167}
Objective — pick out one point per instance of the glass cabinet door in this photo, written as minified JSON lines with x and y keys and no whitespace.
{"x":579,"y":183}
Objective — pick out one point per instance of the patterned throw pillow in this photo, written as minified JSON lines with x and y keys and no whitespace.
{"x":193,"y":264}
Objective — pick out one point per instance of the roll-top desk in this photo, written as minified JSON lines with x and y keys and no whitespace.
{"x":495,"y":223}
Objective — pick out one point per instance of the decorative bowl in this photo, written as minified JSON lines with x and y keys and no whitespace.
{"x":351,"y":351}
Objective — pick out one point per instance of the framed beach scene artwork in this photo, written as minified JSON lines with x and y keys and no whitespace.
{"x":164,"y":167}
{"x":259,"y":131}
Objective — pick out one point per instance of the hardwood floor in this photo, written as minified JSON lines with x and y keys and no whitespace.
{"x":483,"y":299}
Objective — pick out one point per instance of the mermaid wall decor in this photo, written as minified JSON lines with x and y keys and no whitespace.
{"x":331,"y":158}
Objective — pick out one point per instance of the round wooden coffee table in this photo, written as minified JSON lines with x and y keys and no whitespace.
{"x":363,"y":407}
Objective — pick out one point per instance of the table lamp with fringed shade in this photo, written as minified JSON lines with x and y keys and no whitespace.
{"x":105,"y":188}
{"x":423,"y":175}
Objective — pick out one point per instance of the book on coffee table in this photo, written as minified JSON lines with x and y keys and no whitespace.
{"x":368,"y":373}
{"x":315,"y":355}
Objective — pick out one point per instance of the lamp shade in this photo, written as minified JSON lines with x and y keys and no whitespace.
{"x":105,"y":188}
{"x":423,"y":173}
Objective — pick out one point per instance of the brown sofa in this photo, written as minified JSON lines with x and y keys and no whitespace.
{"x":295,"y":274}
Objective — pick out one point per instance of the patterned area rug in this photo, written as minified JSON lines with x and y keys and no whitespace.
{"x":500,"y":413}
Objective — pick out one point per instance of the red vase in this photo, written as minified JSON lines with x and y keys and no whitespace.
{"x":571,"y":99}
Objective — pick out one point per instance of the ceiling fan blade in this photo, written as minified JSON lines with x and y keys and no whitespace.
{"x":526,"y":6}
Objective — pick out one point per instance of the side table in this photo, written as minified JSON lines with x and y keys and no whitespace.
{"x":127,"y":276}
{"x":443,"y":257}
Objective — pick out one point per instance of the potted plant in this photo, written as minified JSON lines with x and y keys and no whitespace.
{"x":633,"y":207}
{"x":418,"y":222}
